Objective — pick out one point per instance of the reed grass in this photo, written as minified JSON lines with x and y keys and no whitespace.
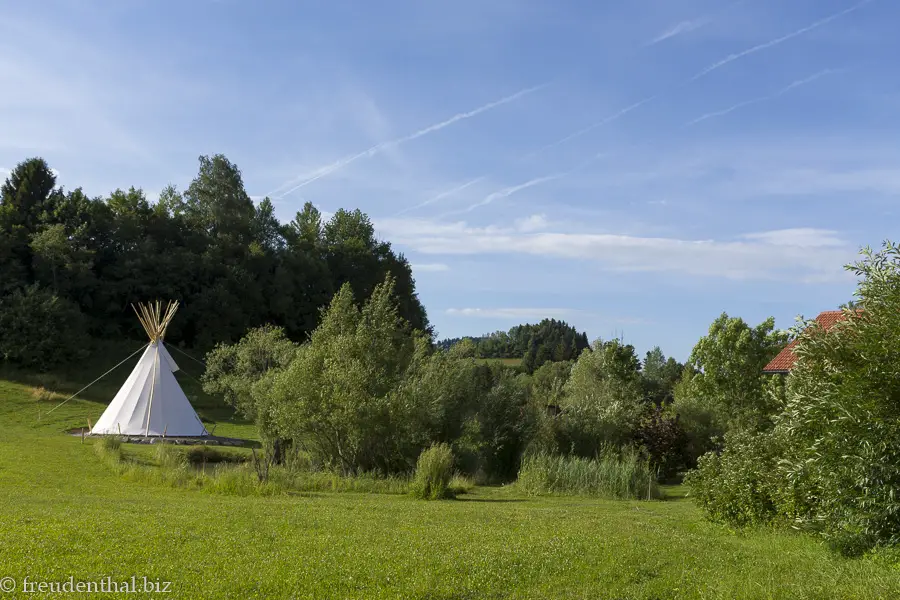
{"x":612,"y":475}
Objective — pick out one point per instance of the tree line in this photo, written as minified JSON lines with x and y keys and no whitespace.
{"x":71,"y":266}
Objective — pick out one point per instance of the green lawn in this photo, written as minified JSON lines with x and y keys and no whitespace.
{"x":63,"y":512}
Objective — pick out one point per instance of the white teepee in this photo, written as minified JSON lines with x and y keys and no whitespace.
{"x":151,"y":403}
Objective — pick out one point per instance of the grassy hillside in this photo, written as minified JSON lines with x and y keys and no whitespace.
{"x":92,"y":402}
{"x":63,"y":512}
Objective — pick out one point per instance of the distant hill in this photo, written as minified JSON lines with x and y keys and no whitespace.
{"x":549,"y":340}
{"x":448,"y":343}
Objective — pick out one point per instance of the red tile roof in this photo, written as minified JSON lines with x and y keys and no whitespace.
{"x":785,"y":360}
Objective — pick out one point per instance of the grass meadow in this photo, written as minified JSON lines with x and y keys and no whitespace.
{"x":64,"y":512}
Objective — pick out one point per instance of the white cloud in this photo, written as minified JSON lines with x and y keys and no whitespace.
{"x":71,"y":97}
{"x":777,"y":41}
{"x":430,"y":267}
{"x":802,"y":254}
{"x":442,"y":195}
{"x":839,"y":179}
{"x":532,"y":223}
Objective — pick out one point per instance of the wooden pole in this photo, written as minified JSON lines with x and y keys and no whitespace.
{"x":152,"y":389}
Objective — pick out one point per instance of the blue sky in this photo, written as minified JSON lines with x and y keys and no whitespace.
{"x":634,"y":168}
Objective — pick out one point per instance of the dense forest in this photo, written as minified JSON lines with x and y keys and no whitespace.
{"x":80,"y":262}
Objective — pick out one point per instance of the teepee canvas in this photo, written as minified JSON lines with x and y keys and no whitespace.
{"x":151,"y":403}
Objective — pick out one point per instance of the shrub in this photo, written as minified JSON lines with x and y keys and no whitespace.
{"x":339,"y":393}
{"x":741,"y":486}
{"x":434,"y":471}
{"x":664,"y":440}
{"x":493,"y":439}
{"x":40,"y":330}
{"x":233,"y":370}
{"x":612,"y":475}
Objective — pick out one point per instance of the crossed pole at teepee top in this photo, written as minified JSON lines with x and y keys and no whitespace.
{"x":154,"y":320}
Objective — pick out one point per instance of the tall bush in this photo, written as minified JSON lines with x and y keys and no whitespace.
{"x":232,"y":370}
{"x":842,"y":414}
{"x":662,"y":437}
{"x":434,"y":470}
{"x":742,"y":486}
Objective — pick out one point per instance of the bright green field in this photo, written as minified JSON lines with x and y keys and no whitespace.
{"x":63,"y":512}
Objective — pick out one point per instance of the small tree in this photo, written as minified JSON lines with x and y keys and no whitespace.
{"x":233,"y":370}
{"x":664,"y":440}
{"x":601,"y":402}
{"x":338,"y":394}
{"x":723,"y":387}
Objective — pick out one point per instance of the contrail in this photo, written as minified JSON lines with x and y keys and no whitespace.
{"x":690,"y":25}
{"x":509,"y":191}
{"x":618,"y":115}
{"x":442,"y":195}
{"x":733,"y":57}
{"x":777,"y":94}
{"x":606,"y":121}
{"x":343,"y":162}
{"x":704,"y":72}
